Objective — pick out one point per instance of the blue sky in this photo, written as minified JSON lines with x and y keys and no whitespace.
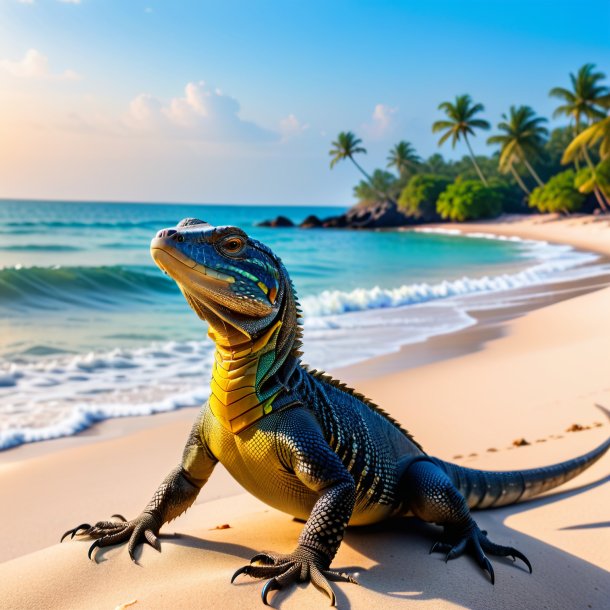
{"x":237,"y":102}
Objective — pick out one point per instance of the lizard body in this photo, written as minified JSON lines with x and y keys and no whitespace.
{"x":297,"y":439}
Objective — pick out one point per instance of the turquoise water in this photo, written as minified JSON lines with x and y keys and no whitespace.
{"x":90,"y":328}
{"x":88,"y":264}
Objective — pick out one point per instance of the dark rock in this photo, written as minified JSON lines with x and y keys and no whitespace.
{"x":380,"y":215}
{"x":335,"y":222}
{"x":311,"y":222}
{"x":280,"y":221}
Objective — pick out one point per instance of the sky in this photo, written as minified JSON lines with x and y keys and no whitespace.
{"x":238,"y":101}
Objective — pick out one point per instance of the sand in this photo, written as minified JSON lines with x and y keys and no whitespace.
{"x":530,"y":376}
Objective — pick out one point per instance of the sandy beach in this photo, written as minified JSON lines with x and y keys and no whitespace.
{"x":466,"y":397}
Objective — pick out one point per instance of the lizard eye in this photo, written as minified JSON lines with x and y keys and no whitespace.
{"x":233,"y":245}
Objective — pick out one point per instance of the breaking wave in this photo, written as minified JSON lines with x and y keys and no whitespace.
{"x":51,"y":288}
{"x":333,"y":302}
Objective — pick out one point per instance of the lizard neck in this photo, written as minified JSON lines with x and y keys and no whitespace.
{"x":240,"y":367}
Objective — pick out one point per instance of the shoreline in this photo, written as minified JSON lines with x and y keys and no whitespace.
{"x":527,"y":375}
{"x":475,"y":318}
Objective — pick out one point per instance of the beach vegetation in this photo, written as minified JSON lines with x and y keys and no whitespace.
{"x":461,"y":123}
{"x":524,"y":174}
{"x":346,"y":146}
{"x":595,"y":180}
{"x":583,"y":102}
{"x":381,"y":183}
{"x":418,"y":198}
{"x":468,"y":200}
{"x":404,"y":159}
{"x":559,"y":194}
{"x":522,"y":136}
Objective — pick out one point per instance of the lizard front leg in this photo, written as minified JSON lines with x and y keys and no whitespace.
{"x":307,"y":454}
{"x":176,"y":493}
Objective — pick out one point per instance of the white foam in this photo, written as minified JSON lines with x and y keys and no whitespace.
{"x":332,"y":302}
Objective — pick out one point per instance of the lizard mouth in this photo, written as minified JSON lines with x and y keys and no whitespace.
{"x":200,"y":281}
{"x":167,"y":258}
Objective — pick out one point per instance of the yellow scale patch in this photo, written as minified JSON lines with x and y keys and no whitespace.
{"x":234,"y":401}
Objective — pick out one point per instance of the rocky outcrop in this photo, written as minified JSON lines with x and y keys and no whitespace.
{"x":311,"y":222}
{"x":383,"y":214}
{"x":279,"y":221}
{"x":379,"y":215}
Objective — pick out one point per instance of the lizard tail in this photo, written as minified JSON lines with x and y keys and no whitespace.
{"x":486,"y":489}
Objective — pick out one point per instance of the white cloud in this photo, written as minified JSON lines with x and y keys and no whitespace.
{"x":291,"y":126}
{"x":202,"y":114}
{"x":25,"y":1}
{"x":35,"y":65}
{"x":382,"y":121}
{"x":70,"y":1}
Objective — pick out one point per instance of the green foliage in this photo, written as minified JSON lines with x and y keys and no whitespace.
{"x":597,"y":132}
{"x":521,"y":138}
{"x":468,"y":200}
{"x":584,"y":180}
{"x":345,"y":147}
{"x":602,"y":171}
{"x":582,"y":102}
{"x":527,"y":155}
{"x":510,"y":197}
{"x":559,"y":194}
{"x":404,"y":158}
{"x":460,"y":124}
{"x":460,"y":120}
{"x":555,"y":146}
{"x":419,"y":197}
{"x":381,"y":185}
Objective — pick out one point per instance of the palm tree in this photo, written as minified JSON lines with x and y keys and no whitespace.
{"x":523,"y":136}
{"x":403,"y":157}
{"x":597,"y":132}
{"x":345,"y":147}
{"x":582,"y":103}
{"x":460,"y":124}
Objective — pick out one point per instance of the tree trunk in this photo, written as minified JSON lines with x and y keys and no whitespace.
{"x":532,"y":171}
{"x":474,"y":162}
{"x":576,"y":132}
{"x":600,"y":199}
{"x":383,"y":196}
{"x":598,"y":189}
{"x":518,"y":180}
{"x":368,"y":178}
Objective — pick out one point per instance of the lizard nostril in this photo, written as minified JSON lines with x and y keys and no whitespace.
{"x":166,"y":232}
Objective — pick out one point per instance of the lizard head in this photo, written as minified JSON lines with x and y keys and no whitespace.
{"x":227,"y":277}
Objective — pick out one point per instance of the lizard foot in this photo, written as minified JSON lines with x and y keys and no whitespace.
{"x":476,"y":541}
{"x":303,"y":564}
{"x":144,"y":528}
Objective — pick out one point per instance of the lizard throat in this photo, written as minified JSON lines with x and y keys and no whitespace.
{"x":239,"y":371}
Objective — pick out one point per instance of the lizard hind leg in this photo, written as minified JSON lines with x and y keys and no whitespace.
{"x":432,"y":496}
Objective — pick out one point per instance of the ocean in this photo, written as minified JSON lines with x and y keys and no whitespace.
{"x":91,"y":329}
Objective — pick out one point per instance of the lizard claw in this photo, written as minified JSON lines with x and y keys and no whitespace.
{"x":270,"y":585}
{"x":143,"y":529}
{"x":478,"y":544}
{"x":74,"y":531}
{"x":242,"y":570}
{"x":303,"y":564}
{"x":94,"y":546}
